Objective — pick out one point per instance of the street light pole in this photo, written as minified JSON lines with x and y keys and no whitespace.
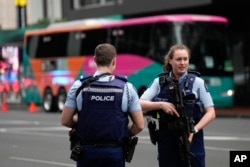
{"x":21,"y":13}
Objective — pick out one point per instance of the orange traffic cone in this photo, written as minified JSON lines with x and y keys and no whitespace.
{"x":32,"y":107}
{"x":4,"y":107}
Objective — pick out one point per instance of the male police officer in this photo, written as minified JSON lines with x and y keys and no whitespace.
{"x":103,"y":108}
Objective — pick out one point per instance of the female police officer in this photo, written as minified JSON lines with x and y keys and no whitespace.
{"x":103,"y":108}
{"x":200,"y":108}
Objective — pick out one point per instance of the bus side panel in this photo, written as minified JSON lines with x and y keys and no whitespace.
{"x":142,"y":78}
{"x":220,"y":88}
{"x":53,"y":80}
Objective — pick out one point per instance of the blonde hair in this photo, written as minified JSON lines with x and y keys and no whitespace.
{"x":167,"y":66}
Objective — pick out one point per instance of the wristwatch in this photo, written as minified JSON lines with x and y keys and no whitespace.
{"x":195,"y":130}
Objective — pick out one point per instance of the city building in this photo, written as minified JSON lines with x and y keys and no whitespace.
{"x":33,"y":12}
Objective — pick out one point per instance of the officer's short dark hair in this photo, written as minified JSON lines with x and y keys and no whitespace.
{"x":104,"y":54}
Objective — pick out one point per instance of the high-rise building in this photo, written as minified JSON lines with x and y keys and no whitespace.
{"x":36,"y":11}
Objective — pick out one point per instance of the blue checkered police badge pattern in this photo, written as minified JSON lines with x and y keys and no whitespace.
{"x":239,"y":158}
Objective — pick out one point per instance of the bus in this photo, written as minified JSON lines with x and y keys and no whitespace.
{"x":55,"y":57}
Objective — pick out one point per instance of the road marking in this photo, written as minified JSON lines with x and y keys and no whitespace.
{"x":214,"y":138}
{"x":37,"y":131}
{"x":227,"y":138}
{"x":48,"y":128}
{"x":219,"y":149}
{"x":41,"y":131}
{"x":42,"y":161}
{"x":19,"y":122}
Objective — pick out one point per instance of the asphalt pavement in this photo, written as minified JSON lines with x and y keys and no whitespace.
{"x":38,"y":139}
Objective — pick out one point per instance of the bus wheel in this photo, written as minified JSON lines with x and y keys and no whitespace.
{"x":61,"y":98}
{"x":48,"y":101}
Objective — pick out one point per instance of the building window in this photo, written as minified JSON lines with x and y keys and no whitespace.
{"x":79,"y":4}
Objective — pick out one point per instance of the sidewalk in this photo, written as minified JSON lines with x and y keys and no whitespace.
{"x":237,"y":111}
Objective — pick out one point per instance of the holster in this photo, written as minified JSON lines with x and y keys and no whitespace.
{"x":75,"y":144}
{"x":153,"y":132}
{"x":76,"y":152}
{"x":129,"y":148}
{"x":73,"y":137}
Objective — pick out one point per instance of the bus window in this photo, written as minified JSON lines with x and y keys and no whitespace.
{"x":50,"y":45}
{"x":160,"y":40}
{"x":131,"y":39}
{"x":91,"y":39}
{"x":75,"y":42}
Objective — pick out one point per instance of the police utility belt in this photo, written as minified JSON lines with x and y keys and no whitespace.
{"x":128,"y":144}
{"x":103,"y":143}
{"x":77,"y":147}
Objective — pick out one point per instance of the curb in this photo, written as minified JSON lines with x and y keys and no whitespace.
{"x":225,"y":115}
{"x":237,"y":111}
{"x":22,"y":107}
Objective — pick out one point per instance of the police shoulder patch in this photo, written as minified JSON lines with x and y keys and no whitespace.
{"x":206,"y":87}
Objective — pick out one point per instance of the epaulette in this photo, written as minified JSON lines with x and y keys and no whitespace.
{"x":122,"y":77}
{"x":194,"y":72}
{"x":163,"y":74}
{"x":86,"y":76}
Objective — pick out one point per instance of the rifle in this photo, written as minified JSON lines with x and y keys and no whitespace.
{"x":184,"y":124}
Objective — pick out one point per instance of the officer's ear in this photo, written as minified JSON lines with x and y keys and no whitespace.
{"x":113,"y":62}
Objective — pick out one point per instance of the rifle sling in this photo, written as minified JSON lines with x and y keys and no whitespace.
{"x":88,"y":81}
